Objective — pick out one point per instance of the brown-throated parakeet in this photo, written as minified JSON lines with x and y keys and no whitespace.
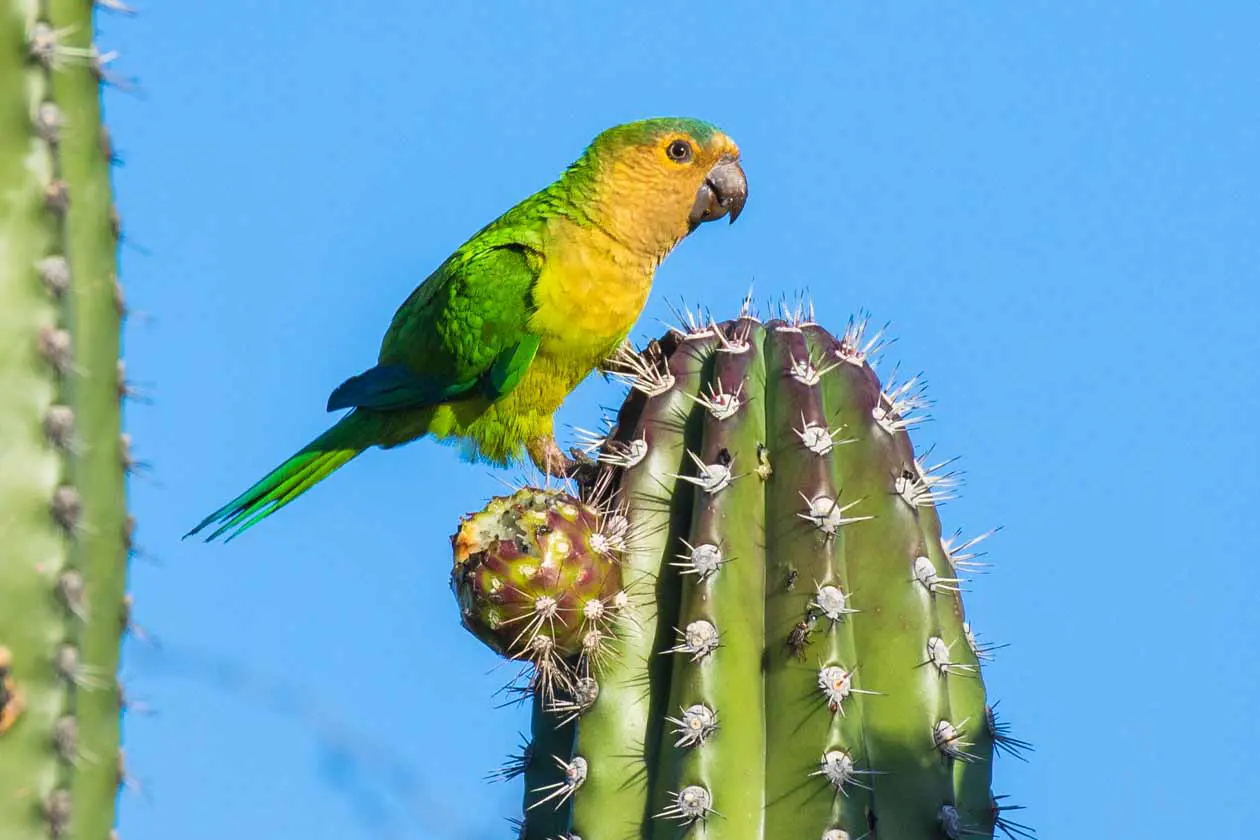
{"x":486,"y":349}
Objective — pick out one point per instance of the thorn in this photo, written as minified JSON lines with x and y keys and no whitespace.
{"x":66,"y":739}
{"x":692,"y":804}
{"x":73,"y":593}
{"x":56,"y":347}
{"x":740,"y":339}
{"x":694,"y":726}
{"x":117,"y":6}
{"x":925,"y":574}
{"x":962,"y":555}
{"x":57,"y":197}
{"x":691,"y":325}
{"x":897,"y":404}
{"x":702,"y":560}
{"x":713,"y":478}
{"x":67,"y":507}
{"x":584,"y":693}
{"x":810,"y":370}
{"x":819,"y":439}
{"x":646,"y":372}
{"x":837,"y":767}
{"x":796,"y":315}
{"x":129,"y":464}
{"x":983,"y":651}
{"x":827,"y":514}
{"x":855,"y":348}
{"x":517,"y":763}
{"x":12,"y":701}
{"x":1003,"y":741}
{"x":59,"y":427}
{"x":831,"y":603}
{"x":57,"y":811}
{"x":719,"y":403}
{"x":1010,"y":828}
{"x":698,"y":640}
{"x":938,"y":653}
{"x":947,"y":738}
{"x":55,"y":272}
{"x":48,"y":122}
{"x":836,"y":684}
{"x":574,"y":776}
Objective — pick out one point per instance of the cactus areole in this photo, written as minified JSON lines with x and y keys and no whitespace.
{"x":790,"y":654}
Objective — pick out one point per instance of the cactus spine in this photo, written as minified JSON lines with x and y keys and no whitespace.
{"x":64,"y":531}
{"x":791,"y":658}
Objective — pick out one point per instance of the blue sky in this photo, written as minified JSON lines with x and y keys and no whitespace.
{"x":1055,"y":204}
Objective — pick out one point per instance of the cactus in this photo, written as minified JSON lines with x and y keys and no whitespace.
{"x":790,"y":657}
{"x":64,"y":529}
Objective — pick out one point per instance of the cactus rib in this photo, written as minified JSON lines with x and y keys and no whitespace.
{"x":62,"y":455}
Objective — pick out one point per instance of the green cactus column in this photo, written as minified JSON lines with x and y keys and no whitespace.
{"x":64,"y":534}
{"x":791,"y":653}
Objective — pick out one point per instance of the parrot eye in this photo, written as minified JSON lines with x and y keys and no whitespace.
{"x":678,"y":151}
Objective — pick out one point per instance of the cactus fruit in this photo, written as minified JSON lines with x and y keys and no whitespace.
{"x":64,"y":530}
{"x":791,"y":654}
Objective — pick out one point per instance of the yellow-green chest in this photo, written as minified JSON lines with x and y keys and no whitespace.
{"x":588,"y":296}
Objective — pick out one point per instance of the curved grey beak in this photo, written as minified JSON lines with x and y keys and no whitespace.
{"x":724,"y":191}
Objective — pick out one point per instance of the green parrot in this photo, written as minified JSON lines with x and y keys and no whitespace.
{"x":485,"y":350}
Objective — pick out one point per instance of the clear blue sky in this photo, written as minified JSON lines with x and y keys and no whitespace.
{"x":1056,"y":205}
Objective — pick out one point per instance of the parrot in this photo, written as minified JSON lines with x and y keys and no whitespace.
{"x":485,"y":350}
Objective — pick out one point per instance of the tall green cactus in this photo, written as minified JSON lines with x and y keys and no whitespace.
{"x":789,"y":658}
{"x":64,"y":530}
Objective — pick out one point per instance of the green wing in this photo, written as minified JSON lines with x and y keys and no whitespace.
{"x":463,"y":332}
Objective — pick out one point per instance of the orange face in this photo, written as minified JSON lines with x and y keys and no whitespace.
{"x":655,"y":181}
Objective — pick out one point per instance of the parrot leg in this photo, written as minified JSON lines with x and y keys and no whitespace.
{"x":548,"y":457}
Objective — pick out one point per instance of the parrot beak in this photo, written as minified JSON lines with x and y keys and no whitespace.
{"x":724,"y":191}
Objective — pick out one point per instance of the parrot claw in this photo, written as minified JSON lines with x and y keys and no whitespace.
{"x":551,"y":460}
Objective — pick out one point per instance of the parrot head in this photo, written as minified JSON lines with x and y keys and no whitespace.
{"x":653,"y":182}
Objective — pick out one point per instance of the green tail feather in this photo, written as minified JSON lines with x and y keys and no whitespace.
{"x":313,"y":463}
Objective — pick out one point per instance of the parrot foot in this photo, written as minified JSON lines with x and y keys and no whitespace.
{"x":549,"y":457}
{"x":551,"y":460}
